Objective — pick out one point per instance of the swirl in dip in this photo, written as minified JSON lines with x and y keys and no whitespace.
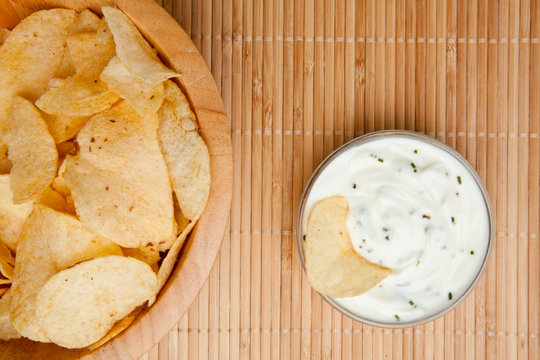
{"x":415,"y":209}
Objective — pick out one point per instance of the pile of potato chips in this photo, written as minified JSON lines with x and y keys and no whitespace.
{"x":103,"y":174}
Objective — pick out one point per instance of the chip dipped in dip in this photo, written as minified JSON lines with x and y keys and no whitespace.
{"x":415,"y":207}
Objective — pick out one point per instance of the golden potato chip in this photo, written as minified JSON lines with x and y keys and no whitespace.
{"x":50,"y":241}
{"x":85,"y":21}
{"x":63,"y":127}
{"x":78,"y":306}
{"x":168,"y":263}
{"x":33,"y":55}
{"x":33,"y":267}
{"x":59,"y":184}
{"x":12,"y":217}
{"x":185,"y":152}
{"x":4,"y":34}
{"x":7,"y":332}
{"x":119,"y":180}
{"x":5,"y":163}
{"x":144,"y":98}
{"x":66,"y":68}
{"x":70,"y":206}
{"x":34,"y":157}
{"x":133,"y":50}
{"x":7,"y":262}
{"x":75,"y":243}
{"x":116,"y":329}
{"x":4,"y":289}
{"x":91,"y":51}
{"x":181,"y":221}
{"x":166,"y":244}
{"x":76,"y":97}
{"x":51,"y":199}
{"x":149,"y":255}
{"x":332,"y":265}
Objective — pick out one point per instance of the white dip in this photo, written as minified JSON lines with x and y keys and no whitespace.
{"x":416,"y":210}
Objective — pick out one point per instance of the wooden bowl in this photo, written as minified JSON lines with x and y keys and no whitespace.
{"x":200,"y":251}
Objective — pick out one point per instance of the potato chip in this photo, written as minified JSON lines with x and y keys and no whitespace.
{"x":91,"y":51}
{"x":116,"y":329}
{"x":7,"y":332}
{"x":168,"y":263}
{"x":149,"y":255}
{"x":119,"y":179}
{"x":78,"y":306}
{"x":7,"y":262}
{"x":34,"y":157}
{"x":4,"y":34}
{"x":332,"y":265}
{"x":4,"y":289}
{"x":33,"y":267}
{"x":33,"y":55}
{"x":12,"y":217}
{"x":185,"y":152}
{"x":181,"y":221}
{"x":63,"y":127}
{"x":66,"y":68}
{"x":144,"y":98}
{"x":50,"y":241}
{"x":52,"y":199}
{"x":85,"y":21}
{"x":70,"y":206}
{"x":76,"y":97}
{"x":74,"y":243}
{"x":133,"y":50}
{"x":5,"y":163}
{"x":59,"y":184}
{"x":166,"y":244}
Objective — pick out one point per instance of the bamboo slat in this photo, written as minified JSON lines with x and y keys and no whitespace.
{"x":300,"y":78}
{"x":533,"y":309}
{"x":287,"y":208}
{"x":318,"y":148}
{"x":308,"y":31}
{"x":277,"y":178}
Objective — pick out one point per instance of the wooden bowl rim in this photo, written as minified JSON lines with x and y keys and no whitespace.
{"x":201,"y":250}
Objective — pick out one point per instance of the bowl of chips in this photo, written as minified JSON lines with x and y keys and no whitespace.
{"x":115,"y":177}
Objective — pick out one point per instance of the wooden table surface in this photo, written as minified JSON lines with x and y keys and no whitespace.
{"x":299,"y":78}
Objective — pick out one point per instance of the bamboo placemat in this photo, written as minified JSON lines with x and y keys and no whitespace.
{"x":300,"y":78}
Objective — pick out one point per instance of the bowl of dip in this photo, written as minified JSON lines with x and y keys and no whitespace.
{"x":416,"y":207}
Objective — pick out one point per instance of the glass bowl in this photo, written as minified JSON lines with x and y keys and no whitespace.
{"x":418,"y":137}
